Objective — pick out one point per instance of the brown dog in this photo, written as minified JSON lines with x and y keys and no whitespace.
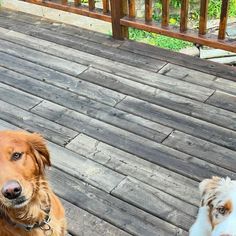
{"x":28,"y":207}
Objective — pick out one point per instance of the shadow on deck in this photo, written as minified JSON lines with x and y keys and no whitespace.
{"x":132,"y":129}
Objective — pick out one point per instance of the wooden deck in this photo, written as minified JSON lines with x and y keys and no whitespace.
{"x":132,"y":129}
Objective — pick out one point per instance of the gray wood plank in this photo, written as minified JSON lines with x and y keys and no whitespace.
{"x":58,"y":79}
{"x":41,"y":58}
{"x":194,"y":63}
{"x":181,"y":72}
{"x":157,"y":80}
{"x":32,"y":122}
{"x":24,"y":100}
{"x":84,"y":169}
{"x":148,"y":50}
{"x":156,"y":202}
{"x":200,"y":78}
{"x":84,"y":44}
{"x":82,"y":223}
{"x":131,"y":165}
{"x":203,"y":149}
{"x":174,"y":102}
{"x":4,"y":125}
{"x":137,"y":145}
{"x":189,"y":125}
{"x":223,"y":100}
{"x":86,"y":106}
{"x":111,"y":209}
{"x":41,"y":22}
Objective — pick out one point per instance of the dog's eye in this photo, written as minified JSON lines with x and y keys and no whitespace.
{"x":16,"y":156}
{"x":221,"y":210}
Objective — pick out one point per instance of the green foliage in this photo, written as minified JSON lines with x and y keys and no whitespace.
{"x":214,"y":11}
{"x":158,"y":40}
{"x":214,"y":8}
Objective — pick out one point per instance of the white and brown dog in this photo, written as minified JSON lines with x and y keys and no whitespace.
{"x":217,"y":213}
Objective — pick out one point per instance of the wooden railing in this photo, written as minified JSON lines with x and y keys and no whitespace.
{"x":121,"y":13}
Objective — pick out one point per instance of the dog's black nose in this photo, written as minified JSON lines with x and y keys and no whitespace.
{"x":11,"y":189}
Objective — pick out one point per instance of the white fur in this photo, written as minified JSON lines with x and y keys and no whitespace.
{"x":202,"y":226}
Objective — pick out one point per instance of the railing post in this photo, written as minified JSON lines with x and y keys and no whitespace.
{"x":184,"y":16}
{"x":223,"y":19}
{"x":91,"y":4}
{"x":148,"y":10}
{"x":132,"y":9}
{"x":105,"y":4}
{"x":203,"y":17}
{"x":117,"y":12}
{"x":165,"y":13}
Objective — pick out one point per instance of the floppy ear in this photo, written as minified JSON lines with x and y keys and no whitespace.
{"x":208,"y":189}
{"x":40,"y":150}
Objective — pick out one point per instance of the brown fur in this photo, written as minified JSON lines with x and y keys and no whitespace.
{"x":29,"y":172}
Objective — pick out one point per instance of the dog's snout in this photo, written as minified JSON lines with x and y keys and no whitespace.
{"x":11,"y":189}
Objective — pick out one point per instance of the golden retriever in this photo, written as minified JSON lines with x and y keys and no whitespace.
{"x":28,"y":207}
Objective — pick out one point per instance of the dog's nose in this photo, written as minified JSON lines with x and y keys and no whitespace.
{"x":11,"y":189}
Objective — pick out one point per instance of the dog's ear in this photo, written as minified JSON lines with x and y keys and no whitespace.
{"x":208,"y":189}
{"x":40,"y":150}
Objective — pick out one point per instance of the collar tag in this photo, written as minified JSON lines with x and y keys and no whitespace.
{"x":29,"y":228}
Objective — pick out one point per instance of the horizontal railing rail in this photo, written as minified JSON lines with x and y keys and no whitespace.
{"x":122,"y":15}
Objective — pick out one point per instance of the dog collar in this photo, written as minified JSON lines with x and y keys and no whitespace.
{"x":43,"y":225}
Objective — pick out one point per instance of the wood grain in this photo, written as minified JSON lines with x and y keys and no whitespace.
{"x":203,"y":17}
{"x":132,"y":8}
{"x":111,"y":209}
{"x":223,"y":19}
{"x":200,"y":148}
{"x":146,"y":149}
{"x":148,"y":10}
{"x":193,"y":126}
{"x":165,"y":13}
{"x":131,"y":165}
{"x":184,"y":15}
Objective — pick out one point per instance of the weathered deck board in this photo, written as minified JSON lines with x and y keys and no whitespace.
{"x":203,"y":149}
{"x":137,"y":145}
{"x":182,"y":60}
{"x":131,"y":129}
{"x":188,"y":124}
{"x":84,"y":45}
{"x":224,"y":100}
{"x":131,"y":165}
{"x":200,"y":78}
{"x":166,"y":99}
{"x":86,"y":106}
{"x":156,"y":202}
{"x":26,"y":120}
{"x":131,"y":72}
{"x":80,"y":220}
{"x":109,"y":208}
